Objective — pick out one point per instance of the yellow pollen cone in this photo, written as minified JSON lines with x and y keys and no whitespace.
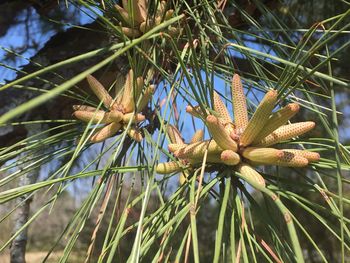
{"x":219,"y":107}
{"x":277,"y":119}
{"x":211,"y":158}
{"x":146,"y":97}
{"x":135,"y":117}
{"x":128,"y":95}
{"x":310,"y":156}
{"x":99,"y":91}
{"x":198,"y":136}
{"x":106,"y":132}
{"x":118,"y":88}
{"x":139,"y":83}
{"x":262,"y":155}
{"x":239,"y":103}
{"x":98,"y":116}
{"x":197,"y":150}
{"x":168,"y":168}
{"x":174,"y":134}
{"x":250,"y":175}
{"x":220,"y":135}
{"x":259,"y":119}
{"x":292,"y":160}
{"x":195,"y":111}
{"x":230,"y":127}
{"x":287,"y":132}
{"x":229,"y":157}
{"x":134,"y":134}
{"x":173,"y":147}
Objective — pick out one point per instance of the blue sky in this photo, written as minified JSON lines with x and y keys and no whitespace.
{"x":16,"y":38}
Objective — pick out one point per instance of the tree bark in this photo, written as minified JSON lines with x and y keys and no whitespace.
{"x":18,"y":246}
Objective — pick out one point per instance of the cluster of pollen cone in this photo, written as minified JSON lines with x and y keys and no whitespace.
{"x":246,"y":142}
{"x":136,"y":20}
{"x":118,"y":111}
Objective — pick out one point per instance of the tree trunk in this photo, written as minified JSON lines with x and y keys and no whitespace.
{"x":18,"y":246}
